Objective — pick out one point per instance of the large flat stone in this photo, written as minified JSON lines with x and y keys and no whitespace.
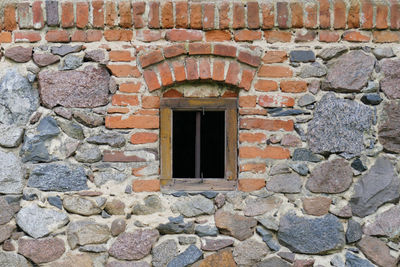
{"x":186,"y":258}
{"x":87,"y":232}
{"x":389,"y":127}
{"x":11,"y":174}
{"x":194,"y":206}
{"x":74,"y":88}
{"x":377,"y":251}
{"x":81,"y":205}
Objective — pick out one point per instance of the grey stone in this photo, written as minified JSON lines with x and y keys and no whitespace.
{"x":93,"y":248}
{"x":38,"y":222}
{"x":127,"y":264}
{"x":311,"y":236}
{"x":97,"y":55}
{"x":55,"y":201}
{"x":206,"y":230}
{"x":389,"y":127}
{"x":48,"y":128}
{"x":302,"y":56}
{"x":187,"y":240}
{"x":285,"y":183}
{"x":101,"y":178}
{"x":80,"y":89}
{"x":81,"y":205}
{"x":371,"y":99}
{"x":337,"y":261}
{"x":64,"y":50}
{"x":71,"y":62}
{"x":386,"y":224}
{"x":353,"y":232}
{"x":57,"y":177}
{"x":6,"y":211}
{"x":372,"y":87}
{"x":289,"y":112}
{"x":215,"y":244}
{"x":194,"y":206}
{"x":176,"y":226}
{"x":377,"y":187}
{"x":19,"y":54}
{"x":152,"y":204}
{"x":249,"y":252}
{"x":383,"y":52}
{"x":89,"y":119}
{"x":306,"y":100}
{"x":11,"y":174}
{"x":13,"y":259}
{"x":280,"y":168}
{"x":88,"y":153}
{"x":85,"y":232}
{"x":6,"y":231}
{"x":18,"y":100}
{"x":273,"y":262}
{"x":52,"y":13}
{"x":299,"y":167}
{"x":164,"y":253}
{"x":34,"y":150}
{"x":331,"y":177}
{"x":72,"y":129}
{"x":10,"y":136}
{"x":346,"y":128}
{"x":45,"y":59}
{"x":111,"y":139}
{"x":268,"y":221}
{"x":349,"y":72}
{"x":354,"y":261}
{"x":189,"y":256}
{"x":304,"y":154}
{"x":268,"y":238}
{"x":118,"y":226}
{"x":358,"y":165}
{"x":259,"y":206}
{"x":331,"y":52}
{"x":315,"y":69}
{"x":209,"y":194}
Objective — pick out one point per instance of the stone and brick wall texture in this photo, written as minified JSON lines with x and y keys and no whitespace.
{"x":318,"y":88}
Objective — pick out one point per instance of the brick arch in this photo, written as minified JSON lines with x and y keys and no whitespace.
{"x":199,"y":62}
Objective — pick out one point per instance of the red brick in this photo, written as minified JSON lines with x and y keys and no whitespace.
{"x":181,"y":35}
{"x":192,"y":69}
{"x":275,"y":101}
{"x":5,"y":37}
{"x":252,"y":137}
{"x":224,"y":50}
{"x":82,"y":14}
{"x":274,"y":57}
{"x":151,"y":58}
{"x":297,"y":14}
{"x":151,"y":102}
{"x":154,"y":15}
{"x":381,"y":16}
{"x":356,"y":36}
{"x":229,"y":94}
{"x":266,"y":124}
{"x":307,"y":36}
{"x":310,"y":20}
{"x":232,"y":76}
{"x":130,"y":87}
{"x":248,"y":185}
{"x":114,"y":110}
{"x":179,"y":71}
{"x":353,"y":19}
{"x":98,"y":14}
{"x":275,"y":71}
{"x":181,"y":14}
{"x":151,"y":80}
{"x":199,"y":49}
{"x":385,"y":37}
{"x":248,"y":58}
{"x":27,"y":36}
{"x":293,"y":86}
{"x":125,"y":100}
{"x":247,"y":35}
{"x":146,"y":185}
{"x":37,"y":11}
{"x":277,"y":36}
{"x":9,"y":22}
{"x":248,"y":101}
{"x":204,"y":69}
{"x":218,"y":70}
{"x":172,"y":93}
{"x":224,"y":18}
{"x":253,"y":16}
{"x":138,"y":11}
{"x":324,"y":14}
{"x":87,"y":36}
{"x":120,"y":55}
{"x":165,"y":74}
{"x":208,"y":16}
{"x":268,"y":15}
{"x":247,"y":78}
{"x":266,"y":86}
{"x":367,"y":14}
{"x":111,"y":14}
{"x":148,"y":35}
{"x":282,"y":14}
{"x":24,"y":16}
{"x":57,"y":36}
{"x":238,"y":16}
{"x":218,"y":36}
{"x":195,"y":16}
{"x":174,"y":50}
{"x":135,"y":121}
{"x":339,"y":14}
{"x":328,"y":36}
{"x":253,"y":167}
{"x":395,"y":15}
{"x":253,"y":111}
{"x":167,"y":15}
{"x":271,"y":152}
{"x":125,"y":15}
{"x":124,"y":70}
{"x":67,"y":16}
{"x":120,"y":156}
{"x":147,"y":112}
{"x":143,"y":138}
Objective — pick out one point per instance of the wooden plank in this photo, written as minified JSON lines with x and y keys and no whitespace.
{"x":198,"y":185}
{"x":231,"y":121}
{"x":199,"y":103}
{"x":166,"y":144}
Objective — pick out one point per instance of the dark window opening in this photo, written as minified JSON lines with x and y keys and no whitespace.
{"x":198,"y":150}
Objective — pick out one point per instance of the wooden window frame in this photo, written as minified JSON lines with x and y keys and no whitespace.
{"x":230,"y":106}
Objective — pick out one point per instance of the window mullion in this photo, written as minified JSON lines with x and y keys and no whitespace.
{"x":198,"y":145}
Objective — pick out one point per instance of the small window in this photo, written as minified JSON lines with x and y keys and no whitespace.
{"x":199,"y":143}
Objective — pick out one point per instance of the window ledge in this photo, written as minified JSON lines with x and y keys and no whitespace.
{"x":191,"y":184}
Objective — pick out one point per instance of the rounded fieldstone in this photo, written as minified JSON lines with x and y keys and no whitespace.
{"x":45,"y":59}
{"x":118,"y":226}
{"x":87,"y":232}
{"x":115,"y":207}
{"x":19,"y":54}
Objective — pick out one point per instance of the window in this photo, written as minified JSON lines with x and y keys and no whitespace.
{"x":198,"y":143}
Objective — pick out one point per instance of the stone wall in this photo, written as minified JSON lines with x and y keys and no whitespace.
{"x":319,"y":133}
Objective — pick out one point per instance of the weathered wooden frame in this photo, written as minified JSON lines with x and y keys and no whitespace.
{"x":229,"y":105}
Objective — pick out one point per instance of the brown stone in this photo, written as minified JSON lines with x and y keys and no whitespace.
{"x":6,"y":231}
{"x":376,"y":251}
{"x":45,"y":59}
{"x":19,"y":54}
{"x":89,"y":119}
{"x":115,"y":207}
{"x":74,"y":260}
{"x":222,"y":258}
{"x":238,"y":226}
{"x":389,"y":128}
{"x":332,"y":177}
{"x":386,"y":223}
{"x":389,"y":85}
{"x":118,"y":226}
{"x":215,"y":244}
{"x":316,"y":206}
{"x":41,"y":250}
{"x":86,"y":232}
{"x":8,"y":246}
{"x":74,"y":88}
